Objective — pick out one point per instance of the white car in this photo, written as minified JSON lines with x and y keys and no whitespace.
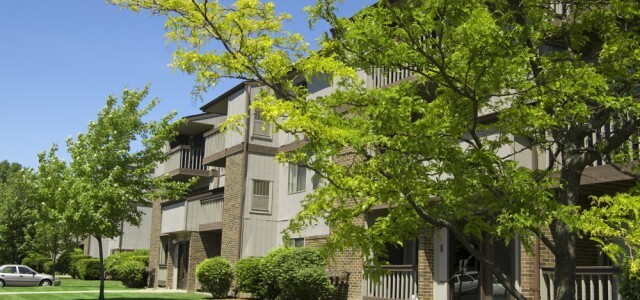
{"x":19,"y":275}
{"x":465,"y":286}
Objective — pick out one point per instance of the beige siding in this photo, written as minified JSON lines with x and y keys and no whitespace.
{"x":203,"y":212}
{"x":259,"y":236}
{"x":138,"y":237}
{"x":173,"y":217}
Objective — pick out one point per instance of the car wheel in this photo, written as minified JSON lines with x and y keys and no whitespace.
{"x":45,"y":282}
{"x":1,"y":283}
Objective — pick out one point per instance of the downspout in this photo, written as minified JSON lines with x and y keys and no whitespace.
{"x":536,"y":261}
{"x":245,"y":167}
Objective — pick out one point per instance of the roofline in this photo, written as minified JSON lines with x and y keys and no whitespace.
{"x":201,"y":116}
{"x":232,"y":90}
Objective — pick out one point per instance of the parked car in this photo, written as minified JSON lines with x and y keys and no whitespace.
{"x":465,"y":286}
{"x":20,"y":275}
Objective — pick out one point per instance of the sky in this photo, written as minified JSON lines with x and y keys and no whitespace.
{"x":60,"y":60}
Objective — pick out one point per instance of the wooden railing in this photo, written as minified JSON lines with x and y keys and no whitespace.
{"x":592,"y":283}
{"x":380,"y":78}
{"x":185,"y":157}
{"x":401,"y":282}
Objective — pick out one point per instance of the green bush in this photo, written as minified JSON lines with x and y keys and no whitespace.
{"x":249,"y":275}
{"x":215,"y":276}
{"x":113,"y":262}
{"x":308,"y":283}
{"x":63,"y":263}
{"x":88,"y":269}
{"x":285,"y":274}
{"x":48,"y":267}
{"x":36,"y":261}
{"x":74,"y":259}
{"x":132,"y":274}
{"x":629,"y":285}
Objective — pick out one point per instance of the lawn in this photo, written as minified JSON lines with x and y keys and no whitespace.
{"x":76,"y":289}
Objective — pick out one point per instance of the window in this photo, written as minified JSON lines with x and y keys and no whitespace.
{"x":164,"y":251}
{"x":25,"y":270}
{"x":296,"y":242}
{"x":9,"y":270}
{"x":259,"y":126}
{"x":261,"y":196}
{"x":297,"y":178}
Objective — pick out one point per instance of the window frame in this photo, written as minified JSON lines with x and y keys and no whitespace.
{"x":258,"y":123}
{"x":296,"y":183}
{"x":254,"y":196}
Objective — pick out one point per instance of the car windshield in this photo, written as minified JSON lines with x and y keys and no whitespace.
{"x":25,"y":270}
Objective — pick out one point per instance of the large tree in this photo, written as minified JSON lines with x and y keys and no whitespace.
{"x":111,"y":169}
{"x":17,"y":212}
{"x":547,"y":75}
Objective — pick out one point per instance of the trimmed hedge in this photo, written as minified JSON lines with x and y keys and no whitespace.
{"x":88,"y":269}
{"x":215,"y":276}
{"x":132,"y":274}
{"x":294,"y":273}
{"x":63,"y":263}
{"x":74,"y":259}
{"x":36,"y":261}
{"x":112,"y":263}
{"x":249,"y":275}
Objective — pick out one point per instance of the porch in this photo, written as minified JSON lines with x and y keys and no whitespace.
{"x":184,"y":162}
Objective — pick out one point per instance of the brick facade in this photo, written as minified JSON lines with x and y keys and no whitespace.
{"x":203,"y":245}
{"x":426,"y":265}
{"x":231,"y":218}
{"x":154,"y":245}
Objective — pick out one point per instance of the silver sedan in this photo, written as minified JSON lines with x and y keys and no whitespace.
{"x":19,"y":275}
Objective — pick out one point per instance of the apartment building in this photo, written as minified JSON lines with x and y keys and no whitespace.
{"x":243,"y":200}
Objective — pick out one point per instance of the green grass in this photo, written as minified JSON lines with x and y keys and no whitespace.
{"x":88,"y":289}
{"x":68,"y":284}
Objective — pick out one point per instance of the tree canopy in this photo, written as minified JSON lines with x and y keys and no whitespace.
{"x":489,"y":80}
{"x":110,"y":175}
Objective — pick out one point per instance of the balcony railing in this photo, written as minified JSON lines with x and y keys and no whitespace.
{"x":185,"y":157}
{"x":380,"y":78}
{"x":401,"y":282}
{"x":592,"y":283}
{"x":214,"y":142}
{"x":188,"y":216}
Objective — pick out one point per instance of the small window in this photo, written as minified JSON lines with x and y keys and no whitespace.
{"x":164,"y":252}
{"x":9,"y":270}
{"x":296,"y":242}
{"x":260,"y":128}
{"x":261,"y":196}
{"x":25,"y":270}
{"x":297,"y":178}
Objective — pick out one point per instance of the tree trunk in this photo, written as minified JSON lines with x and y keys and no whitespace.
{"x":565,"y":240}
{"x":55,"y":254}
{"x":565,"y":272}
{"x":101,"y":296}
{"x":486,"y":277}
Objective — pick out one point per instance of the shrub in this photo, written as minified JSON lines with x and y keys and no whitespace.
{"x":249,"y":275}
{"x":113,"y":262}
{"x":48,"y":267}
{"x":215,"y":276}
{"x":36,"y":261}
{"x":285,"y":271}
{"x":132,"y":274}
{"x":74,"y":259}
{"x":308,"y":283}
{"x":63,"y":263}
{"x":629,"y":286}
{"x":88,"y":269}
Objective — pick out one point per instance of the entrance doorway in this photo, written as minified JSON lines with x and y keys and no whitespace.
{"x":183,"y":265}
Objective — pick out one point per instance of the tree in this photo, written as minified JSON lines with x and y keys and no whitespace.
{"x":17,"y":213}
{"x":51,"y":233}
{"x":551,"y":73}
{"x":109,"y":178}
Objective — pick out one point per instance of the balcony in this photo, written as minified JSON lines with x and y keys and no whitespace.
{"x":184,"y":162}
{"x":400,"y":282}
{"x":215,"y":148}
{"x":381,"y":78}
{"x":192,"y":215}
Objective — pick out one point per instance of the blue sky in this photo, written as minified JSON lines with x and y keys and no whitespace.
{"x":59,"y":60}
